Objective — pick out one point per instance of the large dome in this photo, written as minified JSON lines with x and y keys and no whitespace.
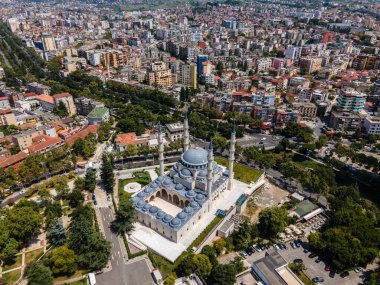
{"x":195,"y":156}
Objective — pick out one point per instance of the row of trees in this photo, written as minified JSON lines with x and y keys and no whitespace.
{"x":107,"y":174}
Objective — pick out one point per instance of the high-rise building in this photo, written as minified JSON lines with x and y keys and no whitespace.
{"x":67,"y":100}
{"x":189,"y":75}
{"x":200,"y":60}
{"x":351,"y":100}
{"x":160,"y":75}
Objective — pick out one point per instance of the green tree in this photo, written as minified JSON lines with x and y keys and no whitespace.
{"x":272,"y":221}
{"x":125,"y":217}
{"x":63,"y":261}
{"x":24,"y":223}
{"x":107,"y":173}
{"x":8,"y":245}
{"x":223,"y":274}
{"x":169,"y":280}
{"x":61,"y":110}
{"x":210,"y":252}
{"x":104,"y":131}
{"x":75,"y":198}
{"x":90,"y":179}
{"x":39,"y":274}
{"x":220,"y":245}
{"x":202,"y":264}
{"x":57,"y":233}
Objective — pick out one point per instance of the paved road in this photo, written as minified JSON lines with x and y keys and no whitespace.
{"x":258,"y":140}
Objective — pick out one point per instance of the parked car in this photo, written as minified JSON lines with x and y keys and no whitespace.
{"x":332,"y":273}
{"x":318,"y":260}
{"x":344,"y":274}
{"x":318,"y":279}
{"x":327,"y":268}
{"x":293,"y":245}
{"x":312,"y":255}
{"x":243,"y":254}
{"x":276,"y":246}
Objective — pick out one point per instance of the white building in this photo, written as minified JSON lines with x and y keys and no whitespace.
{"x":13,"y":24}
{"x":372,"y":125}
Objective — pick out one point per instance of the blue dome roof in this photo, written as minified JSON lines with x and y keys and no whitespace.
{"x":188,"y":210}
{"x":153,"y":210}
{"x":194,"y":205}
{"x":148,"y":190}
{"x":195,"y":156}
{"x":154,"y":185}
{"x":186,"y":172}
{"x":179,"y":187}
{"x":141,"y":195}
{"x":202,"y":173}
{"x":160,"y":214}
{"x":167,"y":181}
{"x":139,"y":204}
{"x":167,"y":218}
{"x":146,"y":207}
{"x":175,"y":222}
{"x":191,"y":193}
{"x":199,"y":197}
{"x":182,"y":216}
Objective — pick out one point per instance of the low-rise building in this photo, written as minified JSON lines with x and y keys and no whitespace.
{"x":98,"y":115}
{"x":174,"y":131}
{"x":67,"y":99}
{"x":372,"y":125}
{"x":7,"y":117}
{"x":123,"y":140}
{"x":345,"y":121}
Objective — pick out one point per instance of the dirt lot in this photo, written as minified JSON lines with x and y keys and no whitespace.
{"x":268,"y":196}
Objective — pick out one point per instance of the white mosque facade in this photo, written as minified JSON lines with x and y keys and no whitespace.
{"x":192,"y":185}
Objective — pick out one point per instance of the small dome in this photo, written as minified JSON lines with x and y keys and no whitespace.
{"x":146,"y":207}
{"x":159,"y":179}
{"x":188,"y":210}
{"x":178,"y":186}
{"x":182,"y":216}
{"x":200,"y":197}
{"x":154,"y":185}
{"x":153,"y":210}
{"x":202,"y":173}
{"x":135,"y":199}
{"x":160,"y":214}
{"x":167,"y":181}
{"x":140,"y":204}
{"x":195,"y":156}
{"x":186,"y":172}
{"x":194,"y":205}
{"x":191,"y":194}
{"x":175,"y":222}
{"x":141,"y":195}
{"x":167,"y":218}
{"x":148,"y":190}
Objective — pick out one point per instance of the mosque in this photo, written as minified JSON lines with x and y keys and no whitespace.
{"x":175,"y":202}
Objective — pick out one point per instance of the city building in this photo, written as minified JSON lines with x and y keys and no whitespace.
{"x":189,"y":75}
{"x":85,"y":105}
{"x":345,"y":121}
{"x":98,"y":115}
{"x":372,"y":125}
{"x":174,"y":131}
{"x":351,"y":100}
{"x":123,"y":140}
{"x":67,"y":99}
{"x":160,"y":75}
{"x":7,"y":117}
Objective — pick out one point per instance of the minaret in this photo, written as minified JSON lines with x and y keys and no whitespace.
{"x":186,"y":136}
{"x":160,"y":151}
{"x":210,"y":160}
{"x":231,"y":159}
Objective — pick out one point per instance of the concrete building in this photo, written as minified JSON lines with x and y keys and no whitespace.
{"x":85,"y":105}
{"x":38,"y":88}
{"x":13,"y":24}
{"x":68,"y":100}
{"x":7,"y":118}
{"x":351,"y":100}
{"x":372,"y":125}
{"x":345,"y":121}
{"x":189,"y":75}
{"x":48,"y":43}
{"x":160,"y":75}
{"x":98,"y":115}
{"x":175,"y":131}
{"x":305,"y":109}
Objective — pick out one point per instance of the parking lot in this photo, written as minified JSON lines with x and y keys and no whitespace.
{"x":313,"y":268}
{"x":259,"y":140}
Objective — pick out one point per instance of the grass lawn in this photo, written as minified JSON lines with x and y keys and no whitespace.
{"x":141,"y":177}
{"x":305,"y":162}
{"x":305,"y":279}
{"x":15,"y":263}
{"x":33,"y":255}
{"x":78,"y":273}
{"x":204,"y":233}
{"x":242,"y":173}
{"x":11,"y":277}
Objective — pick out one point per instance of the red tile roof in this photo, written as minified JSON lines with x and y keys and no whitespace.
{"x":5,"y":111}
{"x":46,"y":98}
{"x":91,"y":129}
{"x":12,"y":160}
{"x":42,"y":142}
{"x":61,"y":95}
